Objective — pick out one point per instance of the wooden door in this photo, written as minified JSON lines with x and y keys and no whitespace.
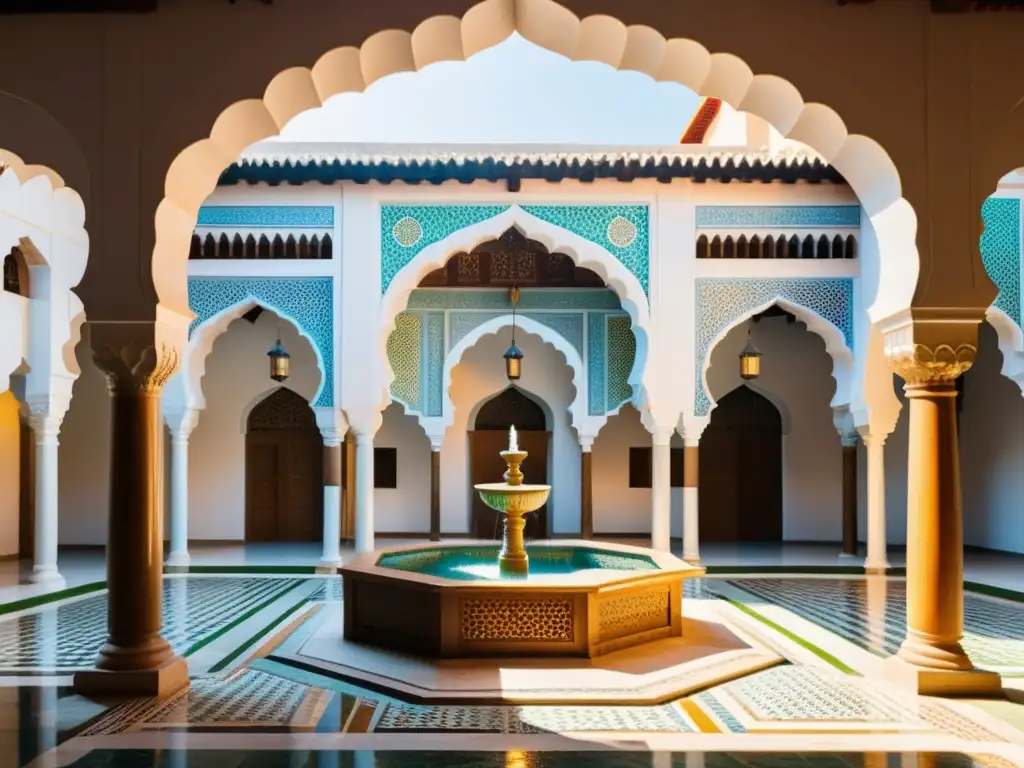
{"x":741,"y":470}
{"x":489,"y":437}
{"x":487,"y":466}
{"x":283,"y":471}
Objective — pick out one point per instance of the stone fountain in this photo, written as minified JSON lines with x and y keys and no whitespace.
{"x":514,"y":500}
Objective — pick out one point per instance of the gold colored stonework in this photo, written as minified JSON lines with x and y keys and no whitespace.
{"x":136,"y":369}
{"x":923,"y":366}
{"x":633,"y":613}
{"x":544,"y":619}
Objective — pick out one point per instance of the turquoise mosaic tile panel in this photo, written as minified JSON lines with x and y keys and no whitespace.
{"x":1000,"y":252}
{"x":621,"y":355}
{"x":720,"y":302}
{"x":434,"y":362}
{"x":769,"y":216}
{"x":257,"y":216}
{"x":623,"y":230}
{"x":308,"y":302}
{"x":529,"y":298}
{"x":405,"y":230}
{"x":404,"y":356}
{"x":596,"y":346}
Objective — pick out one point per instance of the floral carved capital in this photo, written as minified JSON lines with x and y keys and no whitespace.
{"x":922,"y":366}
{"x":136,"y":369}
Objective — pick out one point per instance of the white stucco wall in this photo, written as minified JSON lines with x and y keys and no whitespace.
{"x":796,"y":370}
{"x":10,"y":463}
{"x":480,"y":376}
{"x":405,"y":509}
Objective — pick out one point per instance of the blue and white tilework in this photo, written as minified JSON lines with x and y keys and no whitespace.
{"x":720,"y":302}
{"x":567,"y":325}
{"x":579,"y":299}
{"x":772,"y":216}
{"x":308,"y":302}
{"x":259,"y":216}
{"x":623,"y":230}
{"x":1000,"y":252}
{"x":621,"y":355}
{"x":434,"y":354}
{"x":597,"y":324}
{"x":405,"y":230}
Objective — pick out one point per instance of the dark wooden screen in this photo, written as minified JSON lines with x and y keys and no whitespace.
{"x":741,"y":470}
{"x":489,"y":437}
{"x":283,"y":471}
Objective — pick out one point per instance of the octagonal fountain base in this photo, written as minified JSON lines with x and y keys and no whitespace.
{"x":614,"y":637}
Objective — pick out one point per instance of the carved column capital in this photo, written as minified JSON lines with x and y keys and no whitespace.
{"x":931,"y":348}
{"x":136,"y":370}
{"x":938,"y":366}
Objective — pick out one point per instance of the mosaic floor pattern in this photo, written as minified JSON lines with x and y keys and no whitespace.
{"x":67,"y":636}
{"x":993,"y":627}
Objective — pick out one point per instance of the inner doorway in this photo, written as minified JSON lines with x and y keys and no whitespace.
{"x":283,"y":470}
{"x":488,"y":437}
{"x":741,"y":470}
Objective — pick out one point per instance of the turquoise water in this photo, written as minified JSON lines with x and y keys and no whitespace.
{"x":480,"y":563}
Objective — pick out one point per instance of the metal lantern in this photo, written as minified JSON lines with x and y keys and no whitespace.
{"x":280,"y":362}
{"x":513,"y":357}
{"x":750,"y":360}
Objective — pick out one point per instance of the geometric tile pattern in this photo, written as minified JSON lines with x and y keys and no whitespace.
{"x":597,"y":344}
{"x":247,"y":697}
{"x":607,"y":226}
{"x":307,"y":302}
{"x":765,"y":216}
{"x":720,"y":302}
{"x":404,"y":353}
{"x":399,"y":716}
{"x":68,"y":636}
{"x":993,"y":628}
{"x":537,"y":719}
{"x":286,"y":216}
{"x":621,"y":355}
{"x":1001,"y":253}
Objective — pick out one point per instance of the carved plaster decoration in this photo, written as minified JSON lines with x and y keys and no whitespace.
{"x":940,"y":366}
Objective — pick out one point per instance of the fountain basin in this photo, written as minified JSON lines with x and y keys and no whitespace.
{"x":580,"y":599}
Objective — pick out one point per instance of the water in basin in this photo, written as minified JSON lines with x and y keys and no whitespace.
{"x":480,"y":563}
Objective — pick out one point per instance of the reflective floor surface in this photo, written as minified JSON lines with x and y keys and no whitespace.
{"x":828,"y":705}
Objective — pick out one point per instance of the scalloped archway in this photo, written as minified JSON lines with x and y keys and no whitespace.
{"x":47,"y":221}
{"x":835,"y":346}
{"x":583,"y":252}
{"x":193,"y":174}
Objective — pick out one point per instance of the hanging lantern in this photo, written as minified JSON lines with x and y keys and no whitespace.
{"x":750,"y":360}
{"x":280,"y":362}
{"x":513,"y":357}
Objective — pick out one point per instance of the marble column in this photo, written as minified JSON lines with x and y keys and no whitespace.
{"x":849,"y":496}
{"x":181,"y":425}
{"x":876,"y":560}
{"x":330,"y":559}
{"x":136,"y":659}
{"x":435,"y":493}
{"x":691,"y":498}
{"x":931,"y":659}
{"x":364,"y":491}
{"x":46,"y":419}
{"x":586,"y":488}
{"x":661,"y":491}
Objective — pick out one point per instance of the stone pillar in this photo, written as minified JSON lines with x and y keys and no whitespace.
{"x":181,"y":426}
{"x":931,"y":660}
{"x":850,"y":496}
{"x":435,"y":492}
{"x":45,"y":418}
{"x":331,"y":557}
{"x":876,"y":561}
{"x":364,"y":492}
{"x":586,"y":488}
{"x":135,"y":660}
{"x":691,"y":498}
{"x":661,"y":491}
{"x":348,"y":493}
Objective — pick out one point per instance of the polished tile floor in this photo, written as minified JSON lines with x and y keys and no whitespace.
{"x":247,"y":708}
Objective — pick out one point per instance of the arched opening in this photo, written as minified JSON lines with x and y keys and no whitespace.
{"x":283,"y":470}
{"x":489,"y":436}
{"x":741,"y":470}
